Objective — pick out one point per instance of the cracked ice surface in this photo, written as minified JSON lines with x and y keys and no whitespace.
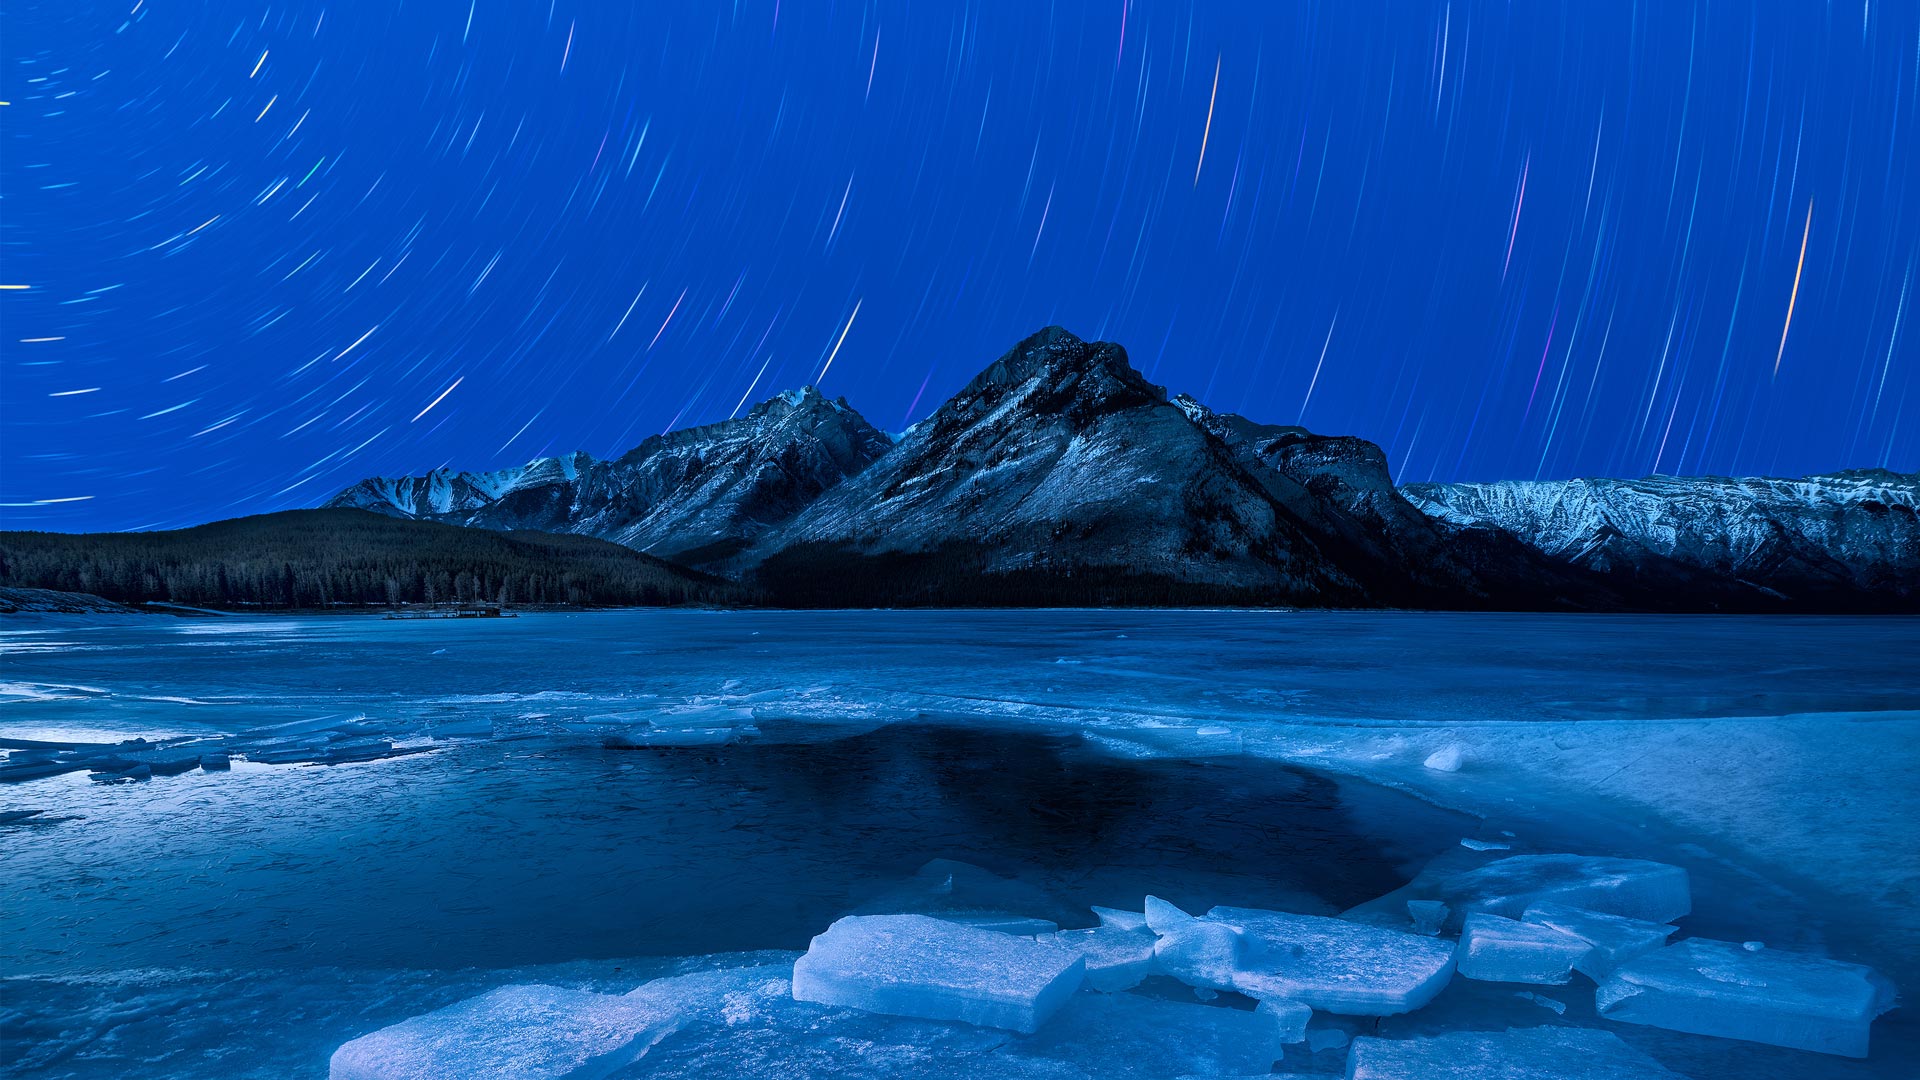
{"x":517,"y":791}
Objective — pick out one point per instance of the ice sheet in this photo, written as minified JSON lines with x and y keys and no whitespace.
{"x":913,"y":965}
{"x":524,"y":1032}
{"x":1765,"y":995}
{"x":1335,"y":965}
{"x":1636,"y":888}
{"x":1116,"y":959}
{"x":1329,"y":964}
{"x":1615,"y":939}
{"x":1497,"y":949}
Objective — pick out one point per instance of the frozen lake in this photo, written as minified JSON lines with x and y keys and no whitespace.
{"x":247,"y":922}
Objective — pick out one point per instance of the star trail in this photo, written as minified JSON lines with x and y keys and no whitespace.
{"x":250,"y":253}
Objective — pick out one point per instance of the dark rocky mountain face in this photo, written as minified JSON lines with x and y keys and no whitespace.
{"x":1060,"y":475}
{"x":1339,"y":489}
{"x":1841,"y":541}
{"x":697,"y":495}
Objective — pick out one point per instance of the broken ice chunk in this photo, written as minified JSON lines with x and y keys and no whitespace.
{"x":1471,"y":844}
{"x":1429,"y":916}
{"x":1718,"y":988}
{"x":1328,"y":964}
{"x":169,"y":761}
{"x":913,"y":965}
{"x":1116,"y":1035}
{"x":1199,"y":952}
{"x":1615,"y":938}
{"x":1547,"y":1053}
{"x":1636,"y":888}
{"x":1120,"y":920}
{"x":1116,"y":959}
{"x":1445,"y":759}
{"x":525,"y":1032}
{"x":1559,"y":1007}
{"x":1162,"y":916}
{"x":1290,"y":1017}
{"x":1498,"y":949}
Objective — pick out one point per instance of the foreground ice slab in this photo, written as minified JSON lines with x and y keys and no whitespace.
{"x":1720,"y":988}
{"x":1290,"y":1016}
{"x":522,"y":1032}
{"x":1635,"y":888}
{"x":1116,"y":959}
{"x":1328,"y":964}
{"x":1337,"y":966}
{"x":913,"y":965}
{"x":1496,"y":949}
{"x":1199,"y":952}
{"x":1550,"y":1053}
{"x":1615,"y":939}
{"x":1120,"y":920}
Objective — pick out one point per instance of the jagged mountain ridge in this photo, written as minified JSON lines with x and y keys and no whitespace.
{"x":1058,"y":462}
{"x":1061,"y":475}
{"x":1848,"y":539}
{"x":693,"y":495}
{"x":1342,"y":491}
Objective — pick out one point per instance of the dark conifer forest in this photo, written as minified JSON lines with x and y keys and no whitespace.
{"x":306,"y":559}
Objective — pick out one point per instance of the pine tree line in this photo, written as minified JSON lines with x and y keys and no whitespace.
{"x":328,"y":558}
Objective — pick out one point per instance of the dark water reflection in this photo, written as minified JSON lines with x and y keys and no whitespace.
{"x":506,"y":854}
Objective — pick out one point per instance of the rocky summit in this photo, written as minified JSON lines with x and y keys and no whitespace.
{"x":696,"y":495}
{"x":1060,"y":475}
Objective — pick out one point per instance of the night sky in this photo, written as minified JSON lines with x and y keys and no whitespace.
{"x":254,"y":252}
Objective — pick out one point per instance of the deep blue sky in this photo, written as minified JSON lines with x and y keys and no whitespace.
{"x":1503,"y":240}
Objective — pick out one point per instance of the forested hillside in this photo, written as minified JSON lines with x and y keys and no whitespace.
{"x":326,"y":558}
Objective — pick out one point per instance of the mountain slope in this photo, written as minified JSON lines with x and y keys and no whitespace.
{"x":1842,"y":541}
{"x":1340,"y":490}
{"x":1058,"y":475}
{"x":325,"y":558}
{"x":694,"y":495}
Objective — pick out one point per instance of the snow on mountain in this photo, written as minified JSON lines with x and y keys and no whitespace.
{"x":695,"y":495}
{"x":1851,"y":537}
{"x":1340,"y":490}
{"x":1061,"y":475}
{"x":1061,"y":472}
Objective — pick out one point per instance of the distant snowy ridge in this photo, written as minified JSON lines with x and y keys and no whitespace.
{"x":1838,"y":533}
{"x":695,"y":494}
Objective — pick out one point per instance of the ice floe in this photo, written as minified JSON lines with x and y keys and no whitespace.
{"x":1614,"y":939}
{"x":524,"y":1032}
{"x":1494,"y":948}
{"x":1769,"y":996}
{"x":1116,"y":959}
{"x":1636,"y":888}
{"x":1333,"y":965}
{"x":914,"y":965}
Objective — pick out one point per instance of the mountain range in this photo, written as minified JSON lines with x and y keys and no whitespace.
{"x":1060,"y":475}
